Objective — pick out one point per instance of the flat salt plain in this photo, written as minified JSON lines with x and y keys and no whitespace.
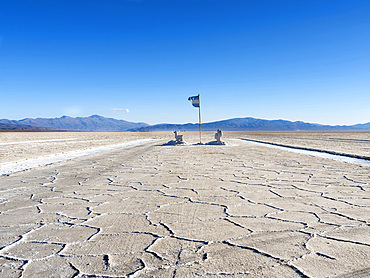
{"x":149,"y":210}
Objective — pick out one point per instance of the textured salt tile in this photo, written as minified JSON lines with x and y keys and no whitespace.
{"x":180,"y":192}
{"x":206,"y":186}
{"x":100,"y":198}
{"x":107,"y":265}
{"x":31,"y":250}
{"x":61,"y":233}
{"x":70,"y":210}
{"x":359,"y":234}
{"x":225,"y":260}
{"x":191,"y":271}
{"x":135,"y":205}
{"x":31,"y":179}
{"x":249,"y":188}
{"x":132,"y":193}
{"x":330,"y":258}
{"x":214,"y":191}
{"x":282,"y":245}
{"x":44,"y":192}
{"x":250,"y":209}
{"x":10,"y":268}
{"x":163,"y":273}
{"x":110,"y":244}
{"x":119,"y":223}
{"x":119,"y":265}
{"x":297,"y":216}
{"x":176,"y":251}
{"x":341,"y":192}
{"x":275,"y":271}
{"x":335,"y":219}
{"x":186,"y":212}
{"x":63,"y":200}
{"x":14,"y":179}
{"x":292,"y":193}
{"x":319,"y":228}
{"x":297,"y":205}
{"x":261,"y":224}
{"x":27,"y":219}
{"x":364,"y":272}
{"x":93,"y":194}
{"x":146,"y":186}
{"x":20,"y":202}
{"x":32,"y":210}
{"x":357,"y":213}
{"x":68,"y":180}
{"x":364,"y":202}
{"x":49,"y":267}
{"x":225,"y":201}
{"x":262,"y":195}
{"x":10,"y":234}
{"x":328,"y":204}
{"x":321,"y":188}
{"x":211,"y":230}
{"x":150,"y":259}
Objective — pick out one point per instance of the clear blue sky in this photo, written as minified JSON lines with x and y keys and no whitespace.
{"x":303,"y":60}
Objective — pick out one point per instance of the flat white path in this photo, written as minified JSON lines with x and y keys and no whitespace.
{"x":36,"y":141}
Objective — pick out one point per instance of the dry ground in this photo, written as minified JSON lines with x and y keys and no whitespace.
{"x":150,"y":210}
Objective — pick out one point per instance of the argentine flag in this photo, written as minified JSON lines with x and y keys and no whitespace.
{"x":194,"y":100}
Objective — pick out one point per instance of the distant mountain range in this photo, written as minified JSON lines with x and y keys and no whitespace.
{"x":99,"y":123}
{"x":19,"y":127}
{"x":252,"y":124}
{"x":92,"y":123}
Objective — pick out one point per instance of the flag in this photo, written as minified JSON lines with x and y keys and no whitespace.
{"x":194,"y":100}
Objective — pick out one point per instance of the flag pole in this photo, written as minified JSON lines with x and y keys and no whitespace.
{"x":200,"y":123}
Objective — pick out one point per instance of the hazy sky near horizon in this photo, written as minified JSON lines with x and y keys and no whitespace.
{"x":140,"y":60}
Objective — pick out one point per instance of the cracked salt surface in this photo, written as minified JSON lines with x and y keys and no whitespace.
{"x":321,"y":154}
{"x":153,"y":211}
{"x":12,"y":167}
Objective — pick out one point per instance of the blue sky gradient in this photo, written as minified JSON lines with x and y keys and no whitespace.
{"x":303,"y":60}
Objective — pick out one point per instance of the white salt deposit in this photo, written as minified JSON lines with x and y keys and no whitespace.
{"x":12,"y":167}
{"x":323,"y":154}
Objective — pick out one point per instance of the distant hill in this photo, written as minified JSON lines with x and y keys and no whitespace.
{"x":252,"y":124}
{"x":92,"y":123}
{"x":362,"y":126}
